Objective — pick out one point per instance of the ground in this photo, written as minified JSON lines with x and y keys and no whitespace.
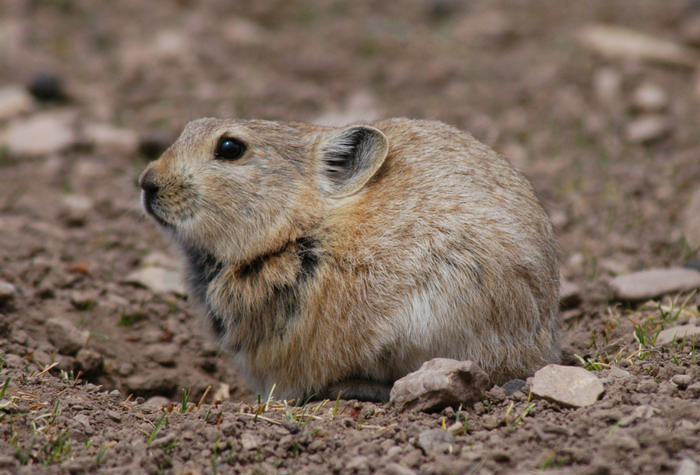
{"x":99,"y":374}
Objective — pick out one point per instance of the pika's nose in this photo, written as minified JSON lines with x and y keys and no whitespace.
{"x":148,"y":184}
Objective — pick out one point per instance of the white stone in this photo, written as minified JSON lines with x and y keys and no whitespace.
{"x":652,"y":283}
{"x":650,"y":97}
{"x":110,"y":139}
{"x":624,"y":43}
{"x":158,"y":279}
{"x":249,"y":441}
{"x":14,"y":100}
{"x":567,"y":385}
{"x":687,"y":467}
{"x":690,"y":220}
{"x":648,"y":128}
{"x":7,"y":291}
{"x":159,"y":259}
{"x":42,"y":134}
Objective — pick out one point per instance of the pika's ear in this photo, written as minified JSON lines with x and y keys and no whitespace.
{"x":350,"y":157}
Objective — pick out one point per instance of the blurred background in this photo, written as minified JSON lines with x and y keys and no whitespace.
{"x":597,"y":103}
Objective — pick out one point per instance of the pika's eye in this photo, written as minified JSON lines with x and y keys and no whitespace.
{"x":229,"y":149}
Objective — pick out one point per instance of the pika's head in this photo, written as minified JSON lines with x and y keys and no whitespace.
{"x":235,"y":188}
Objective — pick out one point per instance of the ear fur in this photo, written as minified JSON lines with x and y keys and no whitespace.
{"x":350,"y":157}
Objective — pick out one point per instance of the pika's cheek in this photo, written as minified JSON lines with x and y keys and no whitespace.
{"x":176,"y":202}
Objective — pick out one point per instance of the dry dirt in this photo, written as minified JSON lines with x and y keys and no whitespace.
{"x":510,"y":72}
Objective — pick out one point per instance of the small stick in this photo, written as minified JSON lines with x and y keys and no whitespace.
{"x":204,"y":396}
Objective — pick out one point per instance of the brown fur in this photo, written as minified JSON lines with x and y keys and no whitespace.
{"x":420,"y":243}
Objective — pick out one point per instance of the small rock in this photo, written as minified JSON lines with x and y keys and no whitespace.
{"x":567,"y":385}
{"x":65,"y":336}
{"x":164,"y":441}
{"x":682,"y":380}
{"x":687,"y":467}
{"x":76,"y":209}
{"x":648,"y":128}
{"x":7,"y":292}
{"x":514,"y":385}
{"x":249,"y":441}
{"x":42,"y":134}
{"x":394,"y":468}
{"x":158,"y":259}
{"x":439,"y":383}
{"x":82,"y":300}
{"x":151,"y":384}
{"x":436,"y":441}
{"x":47,"y":87}
{"x":358,"y":463}
{"x":84,"y":421}
{"x":569,"y":294}
{"x":164,"y":354}
{"x":456,"y":428}
{"x":690,"y":224}
{"x":647,"y":386}
{"x":607,"y":85}
{"x":647,"y":284}
{"x":156,"y":402}
{"x":109,"y":139}
{"x":650,"y":98}
{"x":694,"y":389}
{"x":623,"y":43}
{"x":158,"y":279}
{"x":13,"y":101}
{"x":90,"y":362}
{"x":676,"y":333}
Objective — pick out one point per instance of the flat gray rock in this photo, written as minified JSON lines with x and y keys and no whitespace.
{"x":569,"y":294}
{"x":648,"y":128}
{"x":158,"y":279}
{"x":669,"y":335}
{"x":439,"y":383}
{"x":567,"y":385}
{"x":42,"y":134}
{"x":65,"y":336}
{"x":436,"y":441}
{"x":652,"y":283}
{"x":14,"y":100}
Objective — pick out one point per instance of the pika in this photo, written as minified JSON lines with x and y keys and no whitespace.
{"x":337,"y":260}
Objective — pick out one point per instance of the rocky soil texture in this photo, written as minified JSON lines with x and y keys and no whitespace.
{"x":104,"y":366}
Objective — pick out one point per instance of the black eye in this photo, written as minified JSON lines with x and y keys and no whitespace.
{"x":229,"y":149}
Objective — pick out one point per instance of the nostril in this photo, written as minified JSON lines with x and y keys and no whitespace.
{"x":148,"y":184}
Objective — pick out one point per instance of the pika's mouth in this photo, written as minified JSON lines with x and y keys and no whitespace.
{"x":147,"y":201}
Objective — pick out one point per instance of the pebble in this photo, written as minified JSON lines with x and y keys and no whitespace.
{"x":164,"y":354}
{"x":82,"y":300}
{"x":607,"y":85}
{"x":7,"y":292}
{"x":567,"y":385}
{"x":249,"y":441}
{"x":161,"y":442}
{"x":14,"y":100}
{"x":694,"y":389}
{"x":394,"y":468}
{"x":84,"y":421}
{"x":687,"y":467}
{"x":90,"y":362}
{"x":151,"y":384}
{"x":436,"y":441}
{"x":514,"y":385}
{"x":682,"y":380}
{"x":159,"y":259}
{"x":690,"y":224}
{"x":47,"y":87}
{"x":627,"y":44}
{"x":569,"y":294}
{"x":439,"y":383}
{"x":647,"y":284}
{"x":670,"y":335}
{"x":41,"y":134}
{"x":156,"y":402}
{"x":650,"y":97}
{"x":109,"y":139}
{"x":648,"y":128}
{"x":158,"y":279}
{"x":65,"y":336}
{"x":358,"y":463}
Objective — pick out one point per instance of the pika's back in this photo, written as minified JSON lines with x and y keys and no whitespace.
{"x":339,"y":259}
